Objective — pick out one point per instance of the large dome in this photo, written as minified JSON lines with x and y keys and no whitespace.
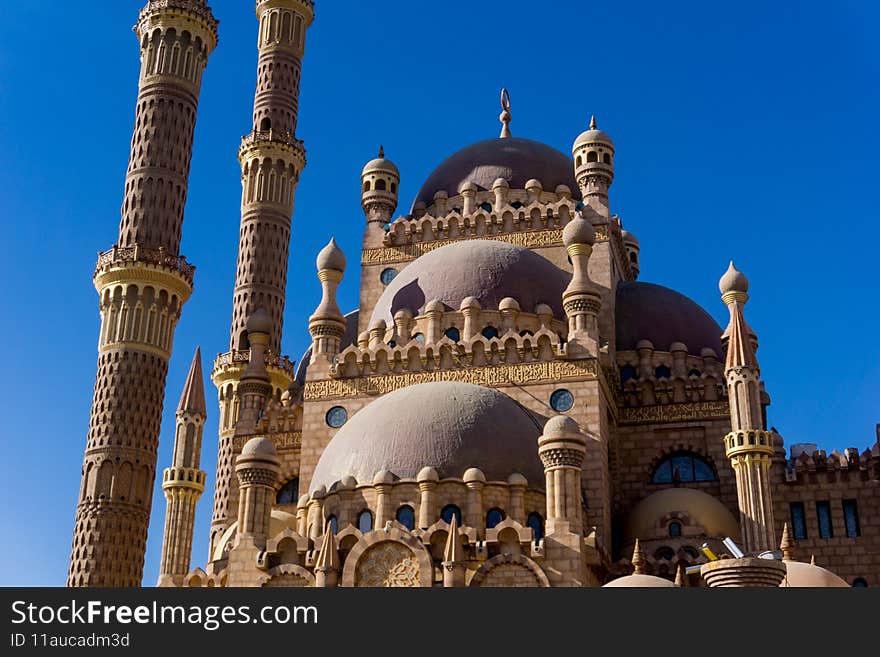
{"x":445,"y":425}
{"x":646,"y":311}
{"x":488,"y":270}
{"x":704,"y":510}
{"x":514,"y":159}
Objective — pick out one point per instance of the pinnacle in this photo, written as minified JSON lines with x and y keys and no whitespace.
{"x":193,"y":397}
{"x":453,"y":552}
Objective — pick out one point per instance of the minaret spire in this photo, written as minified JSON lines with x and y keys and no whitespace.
{"x":183,"y":483}
{"x":272,"y":159}
{"x":505,"y":117}
{"x":142,"y":282}
{"x":748,"y":446}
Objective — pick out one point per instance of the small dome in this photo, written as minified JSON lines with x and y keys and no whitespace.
{"x":516,"y":479}
{"x":259,"y":447}
{"x":488,"y":270}
{"x":733,"y":280}
{"x":800,"y":574}
{"x":448,"y":426}
{"x":629,"y":238}
{"x":259,"y":322}
{"x":474,"y":474}
{"x":640,"y":582}
{"x":331,"y":257}
{"x":593,"y":135}
{"x":578,"y":231}
{"x":427,"y":474}
{"x":381,"y":165}
{"x":514,"y":159}
{"x":646,"y":311}
{"x":703,"y":510}
{"x":560,"y":425}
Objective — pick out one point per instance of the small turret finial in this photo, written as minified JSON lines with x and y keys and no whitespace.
{"x":593,"y":122}
{"x":638,"y":559}
{"x":812,"y":559}
{"x":680,"y":579}
{"x":381,"y":151}
{"x":505,"y":114}
{"x":787,"y":545}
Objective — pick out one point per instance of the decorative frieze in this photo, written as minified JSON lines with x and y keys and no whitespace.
{"x":674,"y":413}
{"x":283,"y":440}
{"x":497,"y":375}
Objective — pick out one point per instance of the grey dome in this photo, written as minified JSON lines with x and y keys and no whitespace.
{"x":488,"y":270}
{"x":515,"y":159}
{"x":652,"y":312}
{"x":448,"y":426}
{"x":259,"y":447}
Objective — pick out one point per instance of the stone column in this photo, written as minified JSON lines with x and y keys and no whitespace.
{"x":562,"y":448}
{"x":517,"y":488}
{"x":383,"y":482}
{"x":257,"y":469}
{"x":427,"y":479}
{"x":475,"y":480}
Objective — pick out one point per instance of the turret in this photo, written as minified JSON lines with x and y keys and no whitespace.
{"x":562,"y":448}
{"x":581,"y":300}
{"x":327,"y":323}
{"x":380,"y":181}
{"x":183,"y":483}
{"x":593,"y":153}
{"x":748,"y":446}
{"x":257,"y":469}
{"x":142,"y":284}
{"x":631,"y":244}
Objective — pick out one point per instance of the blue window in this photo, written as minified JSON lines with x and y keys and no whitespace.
{"x":336,"y":417}
{"x":289,"y":493}
{"x":419,"y":337}
{"x":860,"y":582}
{"x":453,"y":334}
{"x":823,"y":512}
{"x":365,"y":521}
{"x":798,"y":520}
{"x":333,"y":524}
{"x":451,"y":510}
{"x":683,"y":467}
{"x":388,"y":275}
{"x":561,"y":400}
{"x":675,"y":529}
{"x":627,"y":372}
{"x":490,"y":332}
{"x":406,"y":517}
{"x":662,"y":372}
{"x":664,"y":553}
{"x":486,"y":206}
{"x":851,"y":518}
{"x":494,"y":517}
{"x":536,"y":522}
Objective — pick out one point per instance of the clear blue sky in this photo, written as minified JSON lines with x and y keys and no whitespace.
{"x":744,"y":130}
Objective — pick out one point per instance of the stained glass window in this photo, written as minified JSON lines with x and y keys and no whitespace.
{"x":683,"y":466}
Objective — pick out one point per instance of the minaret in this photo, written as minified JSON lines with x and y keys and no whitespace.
{"x":183,"y":483}
{"x":327,"y":323}
{"x":271,"y":159}
{"x":593,"y":153}
{"x":748,"y":446}
{"x":581,"y":299}
{"x":380,"y":181}
{"x":142,"y":283}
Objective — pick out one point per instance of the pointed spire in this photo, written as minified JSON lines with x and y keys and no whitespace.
{"x":740,"y":349}
{"x":193,"y":397}
{"x":381,"y":151}
{"x":505,"y":114}
{"x":454,"y":552}
{"x":593,"y":122}
{"x":787,"y":545}
{"x":638,"y":560}
{"x":680,"y":575}
{"x":812,"y":559}
{"x":329,"y":557}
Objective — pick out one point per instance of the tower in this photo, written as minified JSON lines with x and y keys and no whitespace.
{"x":327,"y":324}
{"x":748,"y":446}
{"x":380,"y":180}
{"x":142,"y":283}
{"x":183,"y":483}
{"x":271,"y":159}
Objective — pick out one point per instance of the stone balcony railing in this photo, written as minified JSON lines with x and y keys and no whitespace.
{"x":120,"y":255}
{"x":278,"y":136}
{"x":198,"y":8}
{"x":243,"y":356}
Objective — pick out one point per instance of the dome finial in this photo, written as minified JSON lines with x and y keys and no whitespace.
{"x":593,"y":122}
{"x":505,"y":114}
{"x":381,"y":151}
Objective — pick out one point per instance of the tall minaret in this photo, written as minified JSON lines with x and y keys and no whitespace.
{"x":748,"y":446}
{"x":271,"y":159}
{"x":183,"y":483}
{"x":143,"y":283}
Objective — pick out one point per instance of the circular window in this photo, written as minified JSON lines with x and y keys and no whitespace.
{"x":336,"y":417}
{"x":388,"y":275}
{"x":561,"y":400}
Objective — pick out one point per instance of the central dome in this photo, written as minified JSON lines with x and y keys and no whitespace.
{"x":512,"y":158}
{"x":448,"y":426}
{"x":488,"y":270}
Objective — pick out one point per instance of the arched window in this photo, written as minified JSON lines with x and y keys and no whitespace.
{"x":393,"y":188}
{"x":633,"y":256}
{"x":486,"y":206}
{"x":579,"y":161}
{"x":694,"y":372}
{"x":365,"y":521}
{"x":494,"y":517}
{"x":490,"y":332}
{"x":860,"y":582}
{"x":691,"y":551}
{"x":380,"y":185}
{"x":451,"y":510}
{"x":333,"y":524}
{"x":592,"y":156}
{"x":627,"y":372}
{"x":266,"y":125}
{"x":606,"y":158}
{"x":289,"y":492}
{"x":366,"y":185}
{"x":453,"y":334}
{"x":675,"y":529}
{"x":536,"y":522}
{"x":406,"y":517}
{"x":683,"y":466}
{"x":662,"y":372}
{"x":664,"y":553}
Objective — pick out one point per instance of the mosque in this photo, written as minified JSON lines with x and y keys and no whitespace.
{"x":510,"y":405}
